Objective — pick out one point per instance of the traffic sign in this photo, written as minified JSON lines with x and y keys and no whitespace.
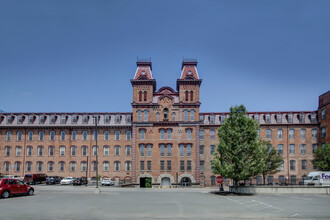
{"x":219,"y":179}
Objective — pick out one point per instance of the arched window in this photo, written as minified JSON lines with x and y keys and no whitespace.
{"x":29,"y":151}
{"x":30,"y":135}
{"x":145,"y":96}
{"x":62,"y":135}
{"x":323,"y":114}
{"x":40,"y":151}
{"x":84,"y":150}
{"x":52,"y":136}
{"x":165,"y":114}
{"x":173,"y":116}
{"x":139,"y":115}
{"x":117,"y":150}
{"x":19,"y":136}
{"x":8,"y":136}
{"x":212,"y":134}
{"x":142,"y":133}
{"x":191,"y":95}
{"x":128,"y":165}
{"x":106,"y":150}
{"x":128,"y":150}
{"x":105,"y":165}
{"x":157,"y":116}
{"x":95,"y":150}
{"x":192,"y":115}
{"x":28,"y":166}
{"x":186,"y":95}
{"x":140,"y":96}
{"x":185,"y":115}
{"x":73,"y":150}
{"x":145,"y":113}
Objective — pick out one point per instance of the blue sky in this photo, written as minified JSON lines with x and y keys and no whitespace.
{"x":79,"y":56}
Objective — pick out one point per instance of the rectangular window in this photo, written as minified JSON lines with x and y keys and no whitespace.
{"x":73,"y":135}
{"x":302,"y":118}
{"x":181,"y":150}
{"x":302,"y":133}
{"x":149,"y":150}
{"x":303,"y":148}
{"x":212,"y":134}
{"x":201,"y":135}
{"x":117,"y":135}
{"x":169,"y":150}
{"x":139,"y":115}
{"x":162,"y":150}
{"x":185,"y":115}
{"x":223,"y":118}
{"x":169,"y":165}
{"x":291,"y":148}
{"x":314,"y":146}
{"x":117,"y":150}
{"x":128,"y":150}
{"x":291,"y":133}
{"x":292,"y":165}
{"x":83,"y":166}
{"x":162,"y":165}
{"x":118,"y":119}
{"x":145,"y":114}
{"x":188,"y":150}
{"x":268,"y":134}
{"x":201,"y":150}
{"x":128,"y":135}
{"x":188,"y":165}
{"x":314,"y":133}
{"x":51,"y":151}
{"x":304,"y":164}
{"x":74,"y":119}
{"x":279,"y":118}
{"x":18,"y":151}
{"x":212,"y":119}
{"x":181,"y":165}
{"x":290,"y":118}
{"x":188,"y":134}
{"x":42,"y":119}
{"x":280,"y":148}
{"x":267,"y":118}
{"x":20,"y":119}
{"x":142,"y":165}
{"x":105,"y":166}
{"x":128,"y":118}
{"x":279,"y":133}
{"x":169,"y":134}
{"x":30,"y":119}
{"x":313,"y":118}
{"x":106,"y":119}
{"x":52,"y":119}
{"x":162,"y":136}
{"x":201,"y":166}
{"x":212,"y":149}
{"x":28,"y":166}
{"x":85,"y":119}
{"x":142,"y":150}
{"x":256,"y":117}
{"x":62,"y":151}
{"x":63,"y":119}
{"x":61,"y":166}
{"x":106,"y":150}
{"x":50,"y":166}
{"x":149,"y":165}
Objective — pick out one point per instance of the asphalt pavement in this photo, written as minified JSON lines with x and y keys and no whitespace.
{"x":80,"y":202}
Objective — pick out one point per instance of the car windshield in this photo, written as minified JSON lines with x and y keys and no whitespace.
{"x":67,"y":178}
{"x":310,"y":177}
{"x":106,"y":179}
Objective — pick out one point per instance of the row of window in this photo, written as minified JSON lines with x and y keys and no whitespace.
{"x":64,"y":119}
{"x":187,"y":115}
{"x":61,"y":166}
{"x":292,"y":133}
{"x":162,"y":132}
{"x":266,"y":117}
{"x":293,"y":165}
{"x":63,"y":134}
{"x":62,"y":150}
{"x":292,"y":148}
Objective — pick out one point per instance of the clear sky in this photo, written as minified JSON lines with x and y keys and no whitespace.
{"x":79,"y":56}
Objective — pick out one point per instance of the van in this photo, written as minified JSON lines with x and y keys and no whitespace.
{"x":321,"y":178}
{"x":35,"y":178}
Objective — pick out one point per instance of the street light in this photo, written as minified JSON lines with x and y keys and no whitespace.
{"x":86,"y":170}
{"x":97,"y":162}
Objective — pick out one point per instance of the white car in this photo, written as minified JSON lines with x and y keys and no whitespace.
{"x":107,"y":181}
{"x":67,"y":180}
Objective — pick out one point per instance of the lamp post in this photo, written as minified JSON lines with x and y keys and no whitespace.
{"x":97,"y":162}
{"x":86,"y":171}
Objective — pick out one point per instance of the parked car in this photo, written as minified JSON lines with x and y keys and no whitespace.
{"x":80,"y":181}
{"x":14,"y":177}
{"x":35,"y":178}
{"x":107,"y":182}
{"x":67,"y":180}
{"x":53,"y":180}
{"x":93,"y":179}
{"x":14,"y":187}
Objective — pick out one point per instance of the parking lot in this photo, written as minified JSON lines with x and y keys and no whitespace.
{"x":80,"y":202}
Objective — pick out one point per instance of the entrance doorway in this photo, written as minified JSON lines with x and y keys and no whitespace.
{"x":185,"y":181}
{"x":145,"y":182}
{"x":166,"y":182}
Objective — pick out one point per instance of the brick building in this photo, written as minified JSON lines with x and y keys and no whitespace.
{"x":164,"y":139}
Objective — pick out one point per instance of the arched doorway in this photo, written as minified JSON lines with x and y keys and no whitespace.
{"x":145,"y":182}
{"x":185,"y":181}
{"x":165,"y":182}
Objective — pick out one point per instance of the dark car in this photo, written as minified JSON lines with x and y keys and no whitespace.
{"x":14,"y":187}
{"x":53,"y":180}
{"x":80,"y":181}
{"x":35,"y":178}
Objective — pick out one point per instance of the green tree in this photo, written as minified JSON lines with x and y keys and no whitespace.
{"x":322,"y":158}
{"x":238,"y":155}
{"x":271,"y":159}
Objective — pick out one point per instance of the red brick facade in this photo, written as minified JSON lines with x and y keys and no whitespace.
{"x":164,"y":138}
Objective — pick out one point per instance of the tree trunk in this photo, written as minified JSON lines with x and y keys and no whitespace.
{"x":264,"y":177}
{"x":236,"y":186}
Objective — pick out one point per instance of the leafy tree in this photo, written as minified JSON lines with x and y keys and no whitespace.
{"x":239,"y":153}
{"x":271,"y":159}
{"x":322,"y":158}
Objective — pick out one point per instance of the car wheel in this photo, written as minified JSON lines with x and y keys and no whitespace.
{"x":30,"y":192}
{"x":5,"y":194}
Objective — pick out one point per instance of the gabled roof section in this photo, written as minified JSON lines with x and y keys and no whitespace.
{"x":189,"y":70}
{"x":143,"y":70}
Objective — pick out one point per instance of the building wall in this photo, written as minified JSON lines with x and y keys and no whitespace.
{"x":157,"y":102}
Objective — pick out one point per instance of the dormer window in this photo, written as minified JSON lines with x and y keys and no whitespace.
{"x":302,"y":117}
{"x":212,"y":119}
{"x":279,"y":118}
{"x":30,"y":119}
{"x":268,"y":118}
{"x":85,"y":119}
{"x":117,"y":119}
{"x":290,"y":118}
{"x":63,"y":119}
{"x":74,"y":119}
{"x":42,"y":119}
{"x":313,"y":118}
{"x":143,"y":73}
{"x":106,"y":119}
{"x":128,"y":118}
{"x":9,"y":119}
{"x":189,"y":73}
{"x":52,"y":119}
{"x":20,"y":119}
